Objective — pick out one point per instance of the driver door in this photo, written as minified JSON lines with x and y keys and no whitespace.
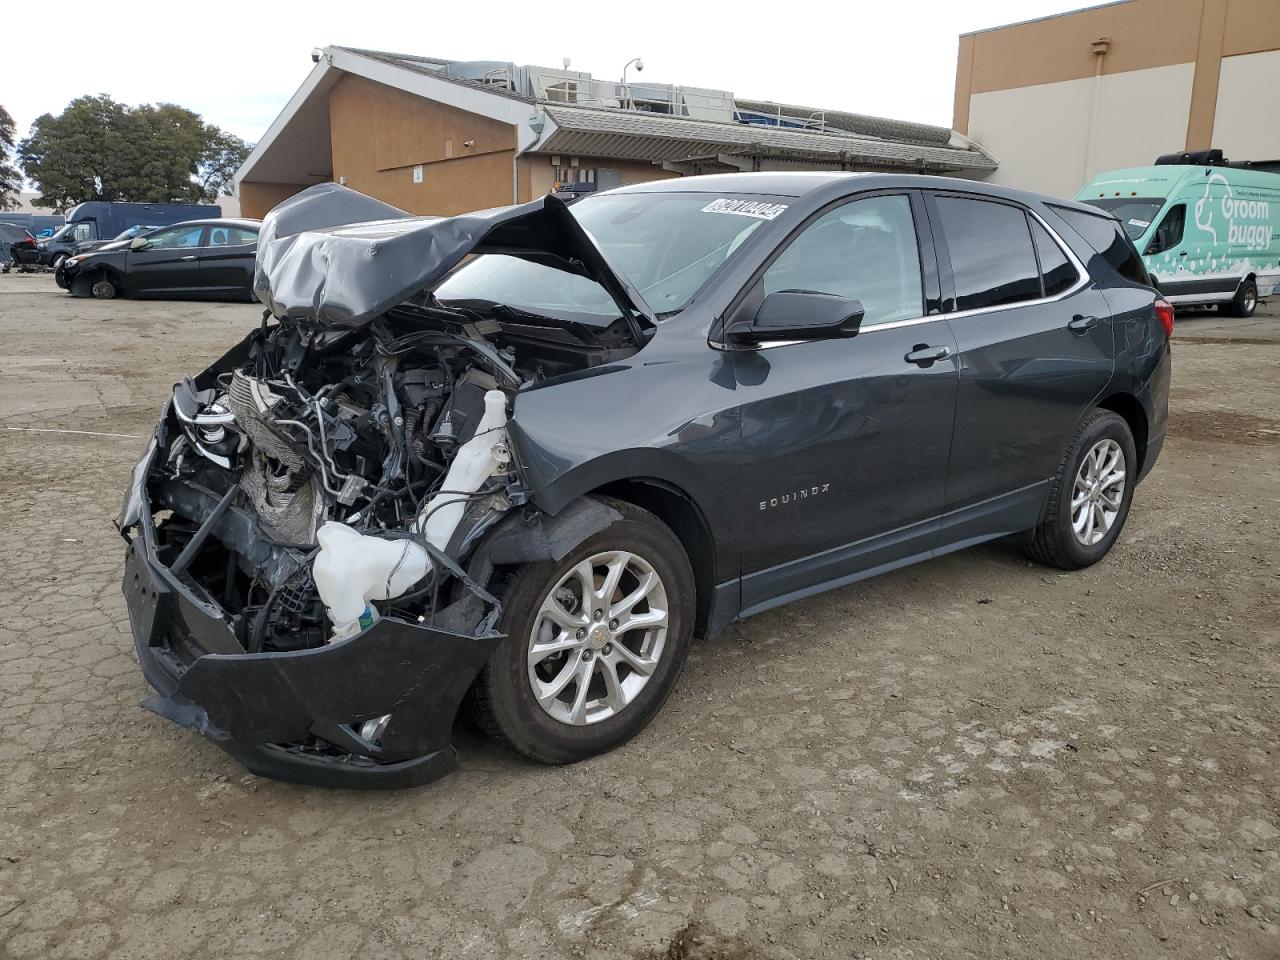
{"x":169,"y":263}
{"x":846,"y":440}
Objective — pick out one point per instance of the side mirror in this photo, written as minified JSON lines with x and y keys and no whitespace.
{"x":1155,"y":246}
{"x":138,"y":243}
{"x":799,"y":315}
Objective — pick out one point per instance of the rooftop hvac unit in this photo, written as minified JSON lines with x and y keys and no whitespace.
{"x":704,"y":104}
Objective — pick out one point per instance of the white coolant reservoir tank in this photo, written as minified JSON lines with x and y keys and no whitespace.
{"x":351,"y":569}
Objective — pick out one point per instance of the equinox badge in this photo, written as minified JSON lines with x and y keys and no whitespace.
{"x":802,"y":494}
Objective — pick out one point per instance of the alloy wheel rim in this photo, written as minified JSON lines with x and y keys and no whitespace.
{"x":597,"y":638}
{"x":1098,"y":492}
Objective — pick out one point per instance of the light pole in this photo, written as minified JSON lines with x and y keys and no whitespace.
{"x":626,"y":91}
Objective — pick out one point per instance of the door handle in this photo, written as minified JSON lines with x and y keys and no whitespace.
{"x":1079,"y":324}
{"x":924,"y":355}
{"x":1183,"y":253}
{"x":188,"y":257}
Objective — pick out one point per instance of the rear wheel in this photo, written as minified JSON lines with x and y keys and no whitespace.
{"x":1090,"y":496}
{"x":595,"y":643}
{"x":1244,"y":302}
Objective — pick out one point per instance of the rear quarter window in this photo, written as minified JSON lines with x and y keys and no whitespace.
{"x":1107,"y":237}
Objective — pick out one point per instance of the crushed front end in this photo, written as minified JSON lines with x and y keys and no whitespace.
{"x":294,"y":434}
{"x":307,"y":561}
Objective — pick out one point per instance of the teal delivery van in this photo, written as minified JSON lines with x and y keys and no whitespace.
{"x":1209,"y":230}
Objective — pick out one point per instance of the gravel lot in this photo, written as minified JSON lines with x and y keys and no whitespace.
{"x":975,"y":757}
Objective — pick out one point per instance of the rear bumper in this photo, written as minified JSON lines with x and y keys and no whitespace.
{"x":295,"y":715}
{"x":1154,"y":398}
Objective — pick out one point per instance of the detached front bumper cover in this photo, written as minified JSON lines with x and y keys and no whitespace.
{"x":265,"y":708}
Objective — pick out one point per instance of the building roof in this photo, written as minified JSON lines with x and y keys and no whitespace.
{"x":660,"y":138}
{"x":1048,"y":16}
{"x":860,"y":123}
{"x":295,"y":149}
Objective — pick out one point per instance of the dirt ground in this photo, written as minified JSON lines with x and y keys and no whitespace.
{"x":972,"y":758}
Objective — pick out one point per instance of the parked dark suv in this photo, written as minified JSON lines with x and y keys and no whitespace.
{"x":527,"y":455}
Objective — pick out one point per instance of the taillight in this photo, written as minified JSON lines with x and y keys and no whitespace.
{"x":1164,"y":313}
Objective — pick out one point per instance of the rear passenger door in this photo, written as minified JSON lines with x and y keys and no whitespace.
{"x":1035,"y":352}
{"x":226,"y":263}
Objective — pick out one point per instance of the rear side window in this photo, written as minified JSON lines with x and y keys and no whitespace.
{"x":1106,"y":236}
{"x":992,"y":260}
{"x":1058,"y":272}
{"x":230,"y":236}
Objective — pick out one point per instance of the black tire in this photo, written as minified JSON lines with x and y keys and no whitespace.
{"x":1053,"y":542}
{"x":1244,"y":302}
{"x":104,"y":289}
{"x":503,"y":701}
{"x":60,"y":278}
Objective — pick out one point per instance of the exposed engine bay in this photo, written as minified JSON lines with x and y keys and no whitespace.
{"x":370,"y":459}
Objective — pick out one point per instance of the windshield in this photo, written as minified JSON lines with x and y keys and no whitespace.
{"x":1136,"y":213}
{"x":133,"y":232}
{"x":667,"y":244}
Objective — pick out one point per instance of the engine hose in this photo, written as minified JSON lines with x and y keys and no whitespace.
{"x":426,"y":417}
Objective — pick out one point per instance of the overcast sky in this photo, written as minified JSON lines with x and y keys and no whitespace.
{"x":238,"y":64}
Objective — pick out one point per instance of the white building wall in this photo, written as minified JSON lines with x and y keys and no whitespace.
{"x":1040,"y":134}
{"x":1245,"y":126}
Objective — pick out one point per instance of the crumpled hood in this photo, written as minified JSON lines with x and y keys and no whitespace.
{"x":339,"y":258}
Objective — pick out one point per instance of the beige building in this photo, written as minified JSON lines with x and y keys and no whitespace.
{"x":1062,"y":98}
{"x":443,"y":137}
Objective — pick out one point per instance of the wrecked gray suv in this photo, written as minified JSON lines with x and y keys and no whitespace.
{"x":524,"y":456}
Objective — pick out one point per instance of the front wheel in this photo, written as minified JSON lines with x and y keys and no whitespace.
{"x":1244,"y":302}
{"x":104,"y":289}
{"x":1090,"y":495}
{"x":595,"y":643}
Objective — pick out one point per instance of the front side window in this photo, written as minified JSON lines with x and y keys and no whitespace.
{"x":1169,"y":234}
{"x":172,"y":239}
{"x":866,"y":251}
{"x":82,"y":233}
{"x":667,"y":244}
{"x":992,"y":260}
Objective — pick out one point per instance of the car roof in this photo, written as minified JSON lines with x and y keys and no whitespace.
{"x":217,"y":222}
{"x":783,"y":184}
{"x":833,"y":183}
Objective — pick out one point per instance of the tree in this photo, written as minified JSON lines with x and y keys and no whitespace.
{"x":223,"y":155}
{"x":98,"y":149}
{"x":10,"y":178}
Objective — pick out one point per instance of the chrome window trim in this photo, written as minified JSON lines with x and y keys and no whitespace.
{"x":1082,"y":281}
{"x":1082,"y":277}
{"x":863,"y":331}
